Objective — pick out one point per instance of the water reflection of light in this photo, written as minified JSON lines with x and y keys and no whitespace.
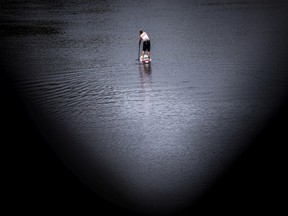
{"x":145,"y":71}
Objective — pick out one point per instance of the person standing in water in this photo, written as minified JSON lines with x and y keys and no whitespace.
{"x":146,"y":43}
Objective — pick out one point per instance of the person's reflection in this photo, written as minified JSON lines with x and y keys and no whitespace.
{"x":145,"y":74}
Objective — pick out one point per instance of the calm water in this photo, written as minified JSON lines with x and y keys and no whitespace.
{"x":160,"y":133}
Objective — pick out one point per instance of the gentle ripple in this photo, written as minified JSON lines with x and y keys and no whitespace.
{"x":163,"y":131}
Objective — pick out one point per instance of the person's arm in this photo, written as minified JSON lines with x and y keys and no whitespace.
{"x":140,"y":41}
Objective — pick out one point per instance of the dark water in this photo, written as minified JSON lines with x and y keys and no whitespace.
{"x":159,"y":135}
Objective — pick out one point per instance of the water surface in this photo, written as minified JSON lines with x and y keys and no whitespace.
{"x":159,"y":134}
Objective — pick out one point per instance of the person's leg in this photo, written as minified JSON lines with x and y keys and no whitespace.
{"x":144,"y":48}
{"x":148,"y":48}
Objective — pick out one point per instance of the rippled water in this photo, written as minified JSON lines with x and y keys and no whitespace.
{"x":162,"y":130}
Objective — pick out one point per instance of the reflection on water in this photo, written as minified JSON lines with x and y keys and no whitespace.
{"x":145,"y":68}
{"x":145,"y":71}
{"x":146,"y":81}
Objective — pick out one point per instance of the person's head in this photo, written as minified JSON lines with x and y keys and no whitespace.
{"x":140,"y":32}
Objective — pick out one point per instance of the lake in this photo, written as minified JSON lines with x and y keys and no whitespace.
{"x":151,"y":137}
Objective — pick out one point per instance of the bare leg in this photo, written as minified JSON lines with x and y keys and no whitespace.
{"x":143,"y":52}
{"x":149,"y":54}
